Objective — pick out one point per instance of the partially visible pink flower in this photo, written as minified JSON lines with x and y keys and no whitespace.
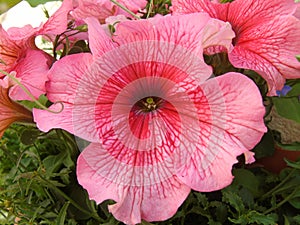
{"x":297,"y":13}
{"x":19,"y":53}
{"x":11,"y":111}
{"x":30,"y":63}
{"x":102,"y":9}
{"x":158,"y":127}
{"x":267,"y":35}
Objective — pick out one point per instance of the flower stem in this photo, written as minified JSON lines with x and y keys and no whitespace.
{"x":149,"y":9}
{"x":286,"y":199}
{"x":279,"y":185}
{"x":125,"y":9}
{"x":30,"y":95}
{"x":75,"y":204}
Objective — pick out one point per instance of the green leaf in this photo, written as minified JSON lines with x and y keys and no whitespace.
{"x":288,"y":107}
{"x":265,"y":147}
{"x":234,"y":200}
{"x":6,"y":5}
{"x":295,"y":201}
{"x":246,"y":179}
{"x":297,"y":219}
{"x":290,"y":147}
{"x":29,"y":136}
{"x":52,"y":163}
{"x":34,"y":3}
{"x":295,"y":165}
{"x":286,"y":220}
{"x":221,"y":210}
{"x":295,"y":85}
{"x":62,"y":214}
{"x":255,"y":217}
{"x":202,"y":199}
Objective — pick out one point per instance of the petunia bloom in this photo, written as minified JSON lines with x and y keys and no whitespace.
{"x":102,"y":9}
{"x":266,"y":35}
{"x":158,"y":126}
{"x":19,"y":53}
{"x":11,"y":111}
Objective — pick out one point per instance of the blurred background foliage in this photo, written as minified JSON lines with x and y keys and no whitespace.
{"x":7,"y":4}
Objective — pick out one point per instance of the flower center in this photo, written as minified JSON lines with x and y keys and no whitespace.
{"x":149,"y":104}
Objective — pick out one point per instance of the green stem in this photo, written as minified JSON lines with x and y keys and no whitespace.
{"x":75,"y":204}
{"x":279,"y":185}
{"x":68,"y":140}
{"x":21,"y":167}
{"x":125,"y":9}
{"x":281,"y":203}
{"x":30,"y":95}
{"x":150,"y":9}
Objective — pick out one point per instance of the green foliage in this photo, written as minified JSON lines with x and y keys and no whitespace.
{"x":155,"y":7}
{"x":5,"y":5}
{"x":289,"y":106}
{"x":34,"y":3}
{"x":38,"y":186}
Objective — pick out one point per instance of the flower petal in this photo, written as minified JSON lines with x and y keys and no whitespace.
{"x":99,"y":40}
{"x":152,"y":202}
{"x":32,"y":72}
{"x":235,"y":126}
{"x":271,"y":51}
{"x":10,"y":49}
{"x":65,"y":75}
{"x":83,"y":127}
{"x":238,"y":12}
{"x":11,"y":111}
{"x":266,"y":35}
{"x":58,"y":22}
{"x":64,"y":78}
{"x":202,"y":31}
{"x":46,"y":121}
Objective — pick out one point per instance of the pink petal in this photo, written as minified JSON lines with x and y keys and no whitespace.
{"x":46,"y":121}
{"x":63,"y":86}
{"x":249,"y":157}
{"x":12,"y":49}
{"x":58,"y":22}
{"x":68,"y":119}
{"x":99,"y":40}
{"x":266,"y":35}
{"x":180,"y":7}
{"x":102,"y":9}
{"x":32,"y":72}
{"x":244,"y":111}
{"x":238,"y":12}
{"x":200,"y":26}
{"x":99,"y":9}
{"x":272,"y":53}
{"x":134,"y":5}
{"x":22,"y":34}
{"x":209,"y":32}
{"x":137,"y":194}
{"x":297,"y":12}
{"x":64,"y":76}
{"x":231,"y":124}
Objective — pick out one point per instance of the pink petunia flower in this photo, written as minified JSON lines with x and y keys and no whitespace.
{"x":102,"y":9}
{"x":19,"y":53}
{"x":158,"y":126}
{"x":11,"y":111}
{"x":266,"y":35}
